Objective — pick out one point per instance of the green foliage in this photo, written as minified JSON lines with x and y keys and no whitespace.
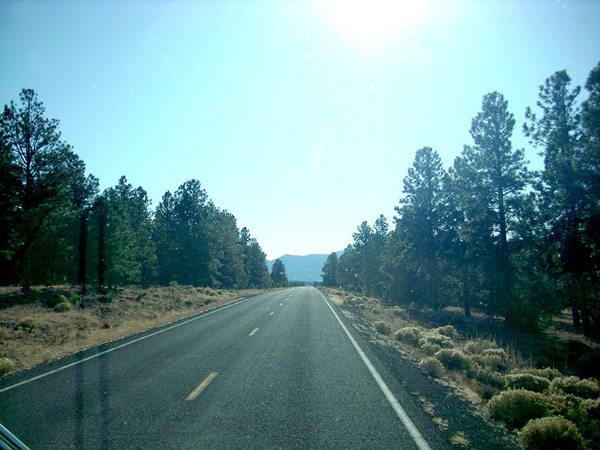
{"x":517,"y":407}
{"x":330,"y":268}
{"x":547,"y":372}
{"x":6,"y":366}
{"x":63,"y":307}
{"x":383,"y":328}
{"x":527,"y":381}
{"x":477,"y":346}
{"x":448,"y":330}
{"x":409,"y":335}
{"x":278,"y":273}
{"x":435,"y":338}
{"x":551,"y":433}
{"x":587,"y":388}
{"x":432,"y":366}
{"x":453,"y":359}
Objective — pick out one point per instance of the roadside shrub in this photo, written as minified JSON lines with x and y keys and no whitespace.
{"x":399,"y":312}
{"x":453,"y":359}
{"x":494,"y":362}
{"x":588,"y":420}
{"x":432,"y":366}
{"x":62,"y":307}
{"x":489,"y":377}
{"x":546,"y":372}
{"x":409,"y":335}
{"x":587,"y":388}
{"x":383,"y":328}
{"x":495,"y":352}
{"x":528,"y":382}
{"x":517,"y":407}
{"x":433,"y":337}
{"x":428,"y":348}
{"x":477,"y":346}
{"x":52,"y":299}
{"x":27,"y":325}
{"x":449,"y":331}
{"x":6,"y":366}
{"x":551,"y":433}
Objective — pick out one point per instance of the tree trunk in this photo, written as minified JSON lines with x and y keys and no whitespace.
{"x":102,"y":250}
{"x":81,"y":272}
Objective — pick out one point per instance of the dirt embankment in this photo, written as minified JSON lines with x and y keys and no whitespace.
{"x":49,"y":323}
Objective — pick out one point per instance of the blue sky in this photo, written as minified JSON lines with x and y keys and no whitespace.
{"x":301,"y":118}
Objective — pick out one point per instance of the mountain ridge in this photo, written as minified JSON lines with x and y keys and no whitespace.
{"x":303,"y":267}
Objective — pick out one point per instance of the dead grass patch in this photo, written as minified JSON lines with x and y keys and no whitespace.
{"x":32,"y":334}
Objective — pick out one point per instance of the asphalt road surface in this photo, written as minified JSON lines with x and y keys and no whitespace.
{"x":279,"y":370}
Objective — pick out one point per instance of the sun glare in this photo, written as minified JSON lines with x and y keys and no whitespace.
{"x":370,"y":21}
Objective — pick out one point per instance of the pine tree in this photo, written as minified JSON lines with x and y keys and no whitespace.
{"x":278,"y":274}
{"x":329,"y":270}
{"x":41,"y":160}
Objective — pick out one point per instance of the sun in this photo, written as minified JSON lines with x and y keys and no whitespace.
{"x":370,"y":21}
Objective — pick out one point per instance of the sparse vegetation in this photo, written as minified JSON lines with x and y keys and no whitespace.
{"x":575,"y":386}
{"x":495,"y":377}
{"x":383,"y":328}
{"x":432,"y":366}
{"x":6,"y":366}
{"x":551,"y":433}
{"x":35,"y":333}
{"x":453,"y":359}
{"x":527,"y":381}
{"x":517,"y":407}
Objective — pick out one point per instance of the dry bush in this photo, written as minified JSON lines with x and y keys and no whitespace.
{"x":449,"y":331}
{"x":489,"y":377}
{"x":517,"y":407}
{"x":500,"y":352}
{"x":528,"y":382}
{"x":399,"y":312}
{"x":547,"y":372}
{"x":433,"y":337}
{"x":409,"y":335}
{"x":477,"y":346}
{"x":63,"y":307}
{"x":432,"y":366}
{"x":428,"y":348}
{"x":551,"y":433}
{"x":454,"y":359}
{"x":6,"y":366}
{"x":587,"y":388}
{"x":383,"y":328}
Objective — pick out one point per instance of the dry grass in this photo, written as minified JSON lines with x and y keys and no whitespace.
{"x":32,"y":334}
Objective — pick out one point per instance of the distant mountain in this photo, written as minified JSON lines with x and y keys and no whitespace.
{"x":302,"y":268}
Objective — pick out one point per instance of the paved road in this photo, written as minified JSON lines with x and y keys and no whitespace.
{"x":273,"y":371}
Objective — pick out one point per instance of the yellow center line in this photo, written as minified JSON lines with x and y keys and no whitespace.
{"x":253,"y":332}
{"x":201,"y":386}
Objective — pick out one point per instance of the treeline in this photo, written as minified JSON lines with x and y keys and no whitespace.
{"x":56,"y":227}
{"x":489,"y":233}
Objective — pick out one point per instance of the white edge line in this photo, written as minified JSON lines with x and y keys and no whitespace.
{"x":408,"y":424}
{"x":199,"y":316}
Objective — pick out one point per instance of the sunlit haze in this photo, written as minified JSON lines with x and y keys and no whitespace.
{"x":300,"y":118}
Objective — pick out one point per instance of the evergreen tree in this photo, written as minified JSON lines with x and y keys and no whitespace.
{"x":564,"y":193}
{"x":278,"y":274}
{"x":418,"y":230}
{"x":41,"y":161}
{"x":329,"y":270}
{"x":499,"y":175}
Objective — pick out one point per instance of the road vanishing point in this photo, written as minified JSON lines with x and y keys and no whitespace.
{"x":279,"y":370}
